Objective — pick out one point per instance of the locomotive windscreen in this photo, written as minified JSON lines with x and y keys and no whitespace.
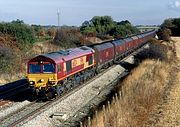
{"x":34,"y":68}
{"x":46,"y":67}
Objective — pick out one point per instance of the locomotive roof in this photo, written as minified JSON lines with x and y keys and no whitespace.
{"x":67,"y":54}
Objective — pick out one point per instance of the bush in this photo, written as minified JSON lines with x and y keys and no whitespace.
{"x":7,"y":60}
{"x":164,"y":34}
{"x":67,"y":38}
{"x":169,"y":27}
{"x":23,"y":33}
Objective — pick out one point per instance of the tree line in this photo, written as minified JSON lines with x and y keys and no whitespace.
{"x":103,"y":27}
{"x":170,"y":27}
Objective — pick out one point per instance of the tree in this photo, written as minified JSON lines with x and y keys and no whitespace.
{"x":104,"y":26}
{"x":168,"y":23}
{"x":18,"y":21}
{"x":173,"y":24}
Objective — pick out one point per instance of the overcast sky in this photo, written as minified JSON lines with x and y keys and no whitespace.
{"x":74,"y":12}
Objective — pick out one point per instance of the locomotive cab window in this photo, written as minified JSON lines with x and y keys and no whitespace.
{"x":48,"y":68}
{"x":34,"y":68}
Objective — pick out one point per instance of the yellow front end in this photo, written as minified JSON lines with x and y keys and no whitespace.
{"x":42,"y":81}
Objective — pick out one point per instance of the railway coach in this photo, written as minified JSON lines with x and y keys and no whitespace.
{"x":104,"y":55}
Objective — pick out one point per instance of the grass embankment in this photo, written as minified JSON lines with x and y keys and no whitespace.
{"x":143,"y":90}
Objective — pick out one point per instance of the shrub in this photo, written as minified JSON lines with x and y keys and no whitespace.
{"x":23,"y":33}
{"x":67,"y":38}
{"x":7,"y":59}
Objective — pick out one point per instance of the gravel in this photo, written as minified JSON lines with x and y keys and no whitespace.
{"x":14,"y":107}
{"x":69,"y":106}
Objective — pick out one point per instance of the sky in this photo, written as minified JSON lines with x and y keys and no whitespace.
{"x":75,"y":12}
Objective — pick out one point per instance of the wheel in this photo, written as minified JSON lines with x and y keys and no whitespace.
{"x":49,"y":96}
{"x":59,"y":90}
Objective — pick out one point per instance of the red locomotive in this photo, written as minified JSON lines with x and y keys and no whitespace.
{"x":54,"y":73}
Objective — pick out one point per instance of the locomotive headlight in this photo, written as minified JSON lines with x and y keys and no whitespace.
{"x":41,"y":80}
{"x":52,"y":81}
{"x":31,"y":83}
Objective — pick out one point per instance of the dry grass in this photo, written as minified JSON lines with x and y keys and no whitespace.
{"x":146,"y":92}
{"x":141,"y":92}
{"x":171,"y":110}
{"x":170,"y":116}
{"x":177,"y":40}
{"x":45,"y":47}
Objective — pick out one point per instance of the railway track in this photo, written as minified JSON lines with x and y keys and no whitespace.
{"x":11,"y":89}
{"x":24,"y":114}
{"x":9,"y":92}
{"x":32,"y":109}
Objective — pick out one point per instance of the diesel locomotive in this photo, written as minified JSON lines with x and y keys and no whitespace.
{"x":54,"y":73}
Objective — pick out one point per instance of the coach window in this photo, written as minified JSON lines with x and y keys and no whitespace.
{"x":59,"y":67}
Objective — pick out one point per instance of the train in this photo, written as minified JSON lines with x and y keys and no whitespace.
{"x":55,"y":73}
